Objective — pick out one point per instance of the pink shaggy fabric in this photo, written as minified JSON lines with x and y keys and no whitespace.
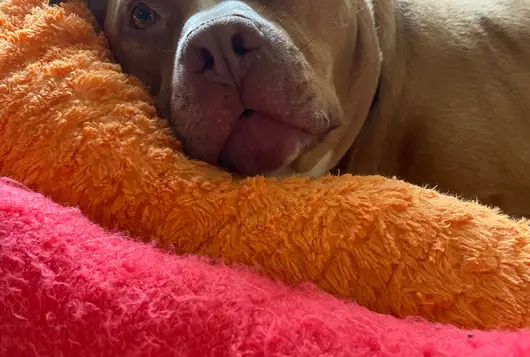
{"x":69,"y":288}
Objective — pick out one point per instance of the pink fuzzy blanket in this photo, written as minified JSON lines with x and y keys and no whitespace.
{"x":69,"y":288}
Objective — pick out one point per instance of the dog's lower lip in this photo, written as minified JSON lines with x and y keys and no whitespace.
{"x":253,"y":119}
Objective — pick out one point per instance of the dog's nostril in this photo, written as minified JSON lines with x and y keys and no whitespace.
{"x":238,"y":45}
{"x":247,"y":113}
{"x":207,"y":59}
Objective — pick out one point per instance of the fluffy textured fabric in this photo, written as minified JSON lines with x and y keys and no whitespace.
{"x":73,"y":127}
{"x":68,"y":288}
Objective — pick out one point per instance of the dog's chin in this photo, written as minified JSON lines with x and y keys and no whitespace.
{"x":260,"y":145}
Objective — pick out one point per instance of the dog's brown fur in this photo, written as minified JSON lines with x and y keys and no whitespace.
{"x":453,"y":109}
{"x":452,"y":78}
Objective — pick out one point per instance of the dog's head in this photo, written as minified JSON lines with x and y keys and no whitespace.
{"x":255,"y":86}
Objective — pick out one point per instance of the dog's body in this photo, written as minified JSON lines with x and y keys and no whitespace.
{"x":435,"y":92}
{"x":453,"y":108}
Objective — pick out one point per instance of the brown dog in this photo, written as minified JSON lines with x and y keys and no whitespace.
{"x":436,"y":92}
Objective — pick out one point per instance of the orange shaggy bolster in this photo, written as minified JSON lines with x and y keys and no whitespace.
{"x":73,"y":127}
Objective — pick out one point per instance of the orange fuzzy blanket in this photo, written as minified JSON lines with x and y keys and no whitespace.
{"x":75,"y":128}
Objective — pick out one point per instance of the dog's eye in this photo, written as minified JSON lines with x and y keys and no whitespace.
{"x":143,"y":16}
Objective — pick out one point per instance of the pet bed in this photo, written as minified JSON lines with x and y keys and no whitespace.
{"x":68,"y":288}
{"x":75,"y":128}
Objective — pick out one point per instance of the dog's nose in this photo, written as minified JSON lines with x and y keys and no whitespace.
{"x":223,"y":49}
